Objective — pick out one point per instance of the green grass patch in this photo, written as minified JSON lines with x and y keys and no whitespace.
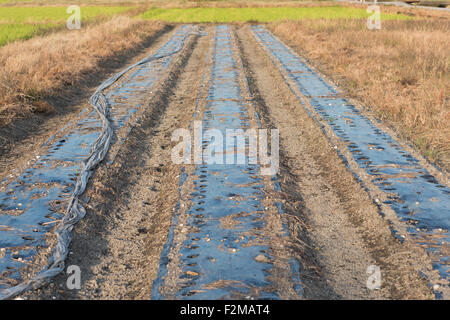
{"x":15,"y":1}
{"x":12,"y":32}
{"x":224,"y":15}
{"x":53,"y":14}
{"x":25,"y":22}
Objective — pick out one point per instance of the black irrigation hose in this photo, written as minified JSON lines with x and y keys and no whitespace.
{"x":75,"y":211}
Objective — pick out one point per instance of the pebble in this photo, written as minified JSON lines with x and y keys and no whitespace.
{"x":261,"y":258}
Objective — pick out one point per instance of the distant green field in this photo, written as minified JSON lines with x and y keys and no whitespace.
{"x":223,"y":15}
{"x":24,"y":22}
{"x":52,"y":14}
{"x":16,"y":1}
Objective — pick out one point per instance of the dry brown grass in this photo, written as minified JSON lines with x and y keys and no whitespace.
{"x":401,"y":72}
{"x":418,"y":12}
{"x":43,"y":66}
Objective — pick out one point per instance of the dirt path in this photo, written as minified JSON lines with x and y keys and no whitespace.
{"x":160,"y":230}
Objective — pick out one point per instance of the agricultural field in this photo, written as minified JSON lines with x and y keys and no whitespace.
{"x":25,"y":22}
{"x":226,"y":15}
{"x":116,"y":157}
